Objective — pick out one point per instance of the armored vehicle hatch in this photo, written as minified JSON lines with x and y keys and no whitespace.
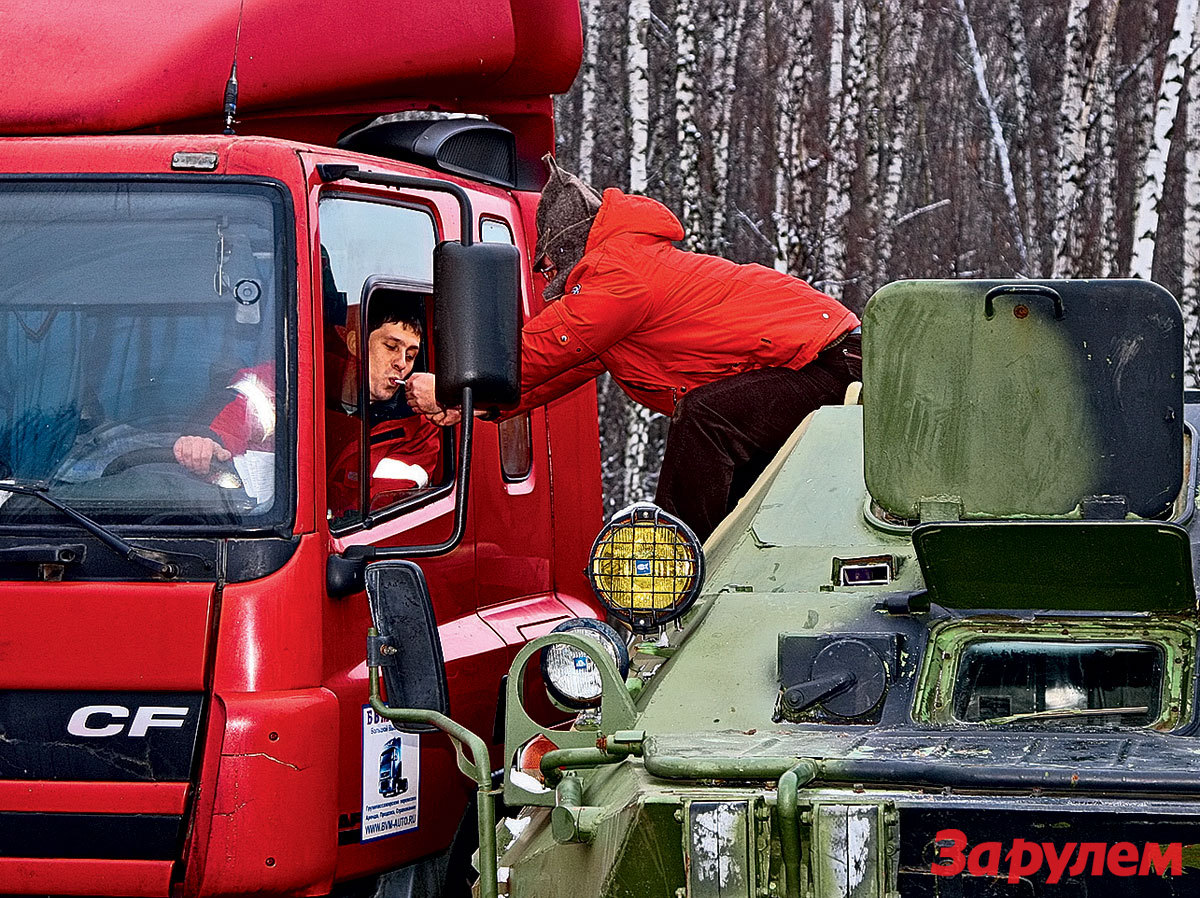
{"x":1034,"y":398}
{"x":1060,"y":565}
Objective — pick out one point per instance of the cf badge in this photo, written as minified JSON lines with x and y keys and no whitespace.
{"x":96,"y":721}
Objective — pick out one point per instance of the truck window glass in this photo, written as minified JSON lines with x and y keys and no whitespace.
{"x":492,"y":230}
{"x":516,"y":445}
{"x":135,"y":315}
{"x":383,"y":255}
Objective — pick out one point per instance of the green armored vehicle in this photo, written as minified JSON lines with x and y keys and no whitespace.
{"x":945,"y":647}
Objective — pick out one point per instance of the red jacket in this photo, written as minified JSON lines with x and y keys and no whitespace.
{"x":248,"y":421}
{"x":405,"y":455}
{"x":664,"y":321}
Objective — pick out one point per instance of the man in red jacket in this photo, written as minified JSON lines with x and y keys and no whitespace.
{"x":405,"y":448}
{"x":737,"y":355}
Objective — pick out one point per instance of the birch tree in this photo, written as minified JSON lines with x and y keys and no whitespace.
{"x":638,"y":417}
{"x":587,"y":88}
{"x":846,"y":141}
{"x":1072,"y":121}
{"x":1190,"y":295}
{"x":687,"y":133}
{"x":1024,"y":109}
{"x":1104,"y":116}
{"x":845,"y":40}
{"x":999,"y":142}
{"x":866,"y":202}
{"x":902,"y":68}
{"x":727,"y":38}
{"x":787,"y":143}
{"x":1154,"y":171}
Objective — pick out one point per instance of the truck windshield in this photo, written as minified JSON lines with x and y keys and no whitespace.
{"x":143,"y":364}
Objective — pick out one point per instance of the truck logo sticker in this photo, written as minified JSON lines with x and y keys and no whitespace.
{"x":391,"y":778}
{"x":99,"y":721}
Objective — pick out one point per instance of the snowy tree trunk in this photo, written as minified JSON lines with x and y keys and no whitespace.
{"x":587,"y":90}
{"x":843,"y":118}
{"x":687,"y":132}
{"x":1105,"y":139}
{"x":1145,"y":223}
{"x":1190,"y":295}
{"x":639,"y":94}
{"x":728,"y":36}
{"x":904,"y":62}
{"x":638,"y":417}
{"x":999,"y":143}
{"x":1072,"y":129}
{"x":1024,"y":110}
{"x":795,"y":18}
{"x":872,"y":157}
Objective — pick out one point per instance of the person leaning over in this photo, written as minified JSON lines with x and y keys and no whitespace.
{"x":736,"y":355}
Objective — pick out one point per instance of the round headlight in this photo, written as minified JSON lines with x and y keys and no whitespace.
{"x":569,"y":674}
{"x":646,"y":567}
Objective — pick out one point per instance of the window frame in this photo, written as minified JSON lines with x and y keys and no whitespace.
{"x":934,"y":695}
{"x":365,"y":518}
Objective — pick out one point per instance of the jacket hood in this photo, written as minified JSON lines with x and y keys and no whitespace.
{"x":621,"y":213}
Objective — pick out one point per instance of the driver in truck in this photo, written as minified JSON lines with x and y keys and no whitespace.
{"x":405,"y":448}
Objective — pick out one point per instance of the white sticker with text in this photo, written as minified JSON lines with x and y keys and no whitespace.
{"x":391,"y":778}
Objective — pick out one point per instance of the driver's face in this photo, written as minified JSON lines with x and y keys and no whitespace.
{"x":391,"y":351}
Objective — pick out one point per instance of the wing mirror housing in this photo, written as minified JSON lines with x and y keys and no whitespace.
{"x":477,"y":323}
{"x":408,"y":649}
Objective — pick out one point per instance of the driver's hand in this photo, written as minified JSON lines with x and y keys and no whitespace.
{"x":447,"y":417}
{"x":197,"y":453}
{"x":419,"y":392}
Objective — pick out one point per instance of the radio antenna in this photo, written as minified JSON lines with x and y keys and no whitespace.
{"x":231,"y":86}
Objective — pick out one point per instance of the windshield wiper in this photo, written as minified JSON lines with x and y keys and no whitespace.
{"x":126,"y":550}
{"x":1056,"y":713}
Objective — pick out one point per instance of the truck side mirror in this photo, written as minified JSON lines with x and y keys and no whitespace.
{"x":408,"y":648}
{"x":477,"y":322}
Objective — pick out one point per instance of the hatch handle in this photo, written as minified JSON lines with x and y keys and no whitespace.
{"x":989,"y":306}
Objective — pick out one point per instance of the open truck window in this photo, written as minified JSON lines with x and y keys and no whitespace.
{"x":134,"y":314}
{"x":377,"y":262}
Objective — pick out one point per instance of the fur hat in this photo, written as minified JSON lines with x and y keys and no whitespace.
{"x":564,"y":217}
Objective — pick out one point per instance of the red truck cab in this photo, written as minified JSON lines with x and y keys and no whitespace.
{"x":183,"y":690}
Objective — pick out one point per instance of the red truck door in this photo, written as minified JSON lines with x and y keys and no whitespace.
{"x":373,"y":247}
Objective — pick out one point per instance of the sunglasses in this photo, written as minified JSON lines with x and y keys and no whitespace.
{"x":546,"y":268}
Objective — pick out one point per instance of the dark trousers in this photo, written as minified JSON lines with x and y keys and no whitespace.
{"x":724,"y":434}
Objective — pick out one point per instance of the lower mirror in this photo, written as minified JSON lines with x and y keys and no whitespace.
{"x":402,"y":612}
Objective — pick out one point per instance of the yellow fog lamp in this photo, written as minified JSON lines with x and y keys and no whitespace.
{"x":569,"y":674}
{"x":646,"y":567}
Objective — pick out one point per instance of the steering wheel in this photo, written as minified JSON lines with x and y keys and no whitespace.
{"x":222,"y":474}
{"x":150,"y":455}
